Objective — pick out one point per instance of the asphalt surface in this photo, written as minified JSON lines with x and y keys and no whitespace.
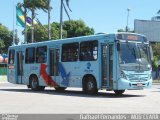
{"x":18,"y":99}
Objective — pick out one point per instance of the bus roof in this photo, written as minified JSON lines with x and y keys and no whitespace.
{"x":82,"y":38}
{"x":73,"y":39}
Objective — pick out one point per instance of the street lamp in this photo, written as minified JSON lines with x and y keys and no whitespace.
{"x":128,"y":10}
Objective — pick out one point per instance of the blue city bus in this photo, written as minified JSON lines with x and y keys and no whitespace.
{"x":117,"y":62}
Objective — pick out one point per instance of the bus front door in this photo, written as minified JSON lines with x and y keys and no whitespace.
{"x":107,"y":66}
{"x":19,"y":68}
{"x":54,"y":60}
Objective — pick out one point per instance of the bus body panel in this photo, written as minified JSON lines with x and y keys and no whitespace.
{"x":11,"y":74}
{"x":135,"y":80}
{"x":55,"y":72}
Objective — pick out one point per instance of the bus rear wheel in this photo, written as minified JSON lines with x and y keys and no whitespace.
{"x":90,"y":86}
{"x":119,"y":92}
{"x":34,"y":84}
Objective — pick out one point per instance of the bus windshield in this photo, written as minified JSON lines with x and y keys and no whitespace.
{"x":134,"y":56}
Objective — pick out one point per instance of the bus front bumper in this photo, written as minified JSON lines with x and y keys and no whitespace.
{"x":125,"y":84}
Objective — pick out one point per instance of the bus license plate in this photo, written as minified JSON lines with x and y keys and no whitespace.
{"x":139,"y":85}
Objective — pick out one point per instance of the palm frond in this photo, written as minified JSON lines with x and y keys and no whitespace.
{"x":67,"y":3}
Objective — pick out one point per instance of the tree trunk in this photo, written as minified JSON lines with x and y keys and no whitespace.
{"x":49,"y":26}
{"x":32,"y":28}
{"x":25,"y":33}
{"x":61,"y":20}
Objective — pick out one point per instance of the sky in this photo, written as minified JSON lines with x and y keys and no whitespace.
{"x":105,"y":16}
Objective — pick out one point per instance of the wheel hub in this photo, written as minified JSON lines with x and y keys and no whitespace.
{"x":90,"y":85}
{"x":34,"y":83}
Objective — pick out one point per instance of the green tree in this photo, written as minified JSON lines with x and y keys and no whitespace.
{"x":75,"y":28}
{"x":156,"y":49}
{"x":123,"y":30}
{"x":1,"y":46}
{"x":156,"y":53}
{"x":5,"y":38}
{"x":72,"y":28}
{"x":32,"y":5}
{"x":40,"y":34}
{"x":55,"y":31}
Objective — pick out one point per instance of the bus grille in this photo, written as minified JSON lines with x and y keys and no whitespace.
{"x":137,"y":78}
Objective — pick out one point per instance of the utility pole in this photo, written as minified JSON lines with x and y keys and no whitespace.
{"x":61,"y":20}
{"x":25,"y":30}
{"x":13,"y":22}
{"x":32,"y":27}
{"x":16,"y":37}
{"x":49,"y":18}
{"x":61,"y":16}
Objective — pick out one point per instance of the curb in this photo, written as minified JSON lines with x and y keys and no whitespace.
{"x":3,"y":82}
{"x":156,"y":83}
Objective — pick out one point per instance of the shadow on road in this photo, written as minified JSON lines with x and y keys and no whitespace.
{"x":74,"y":93}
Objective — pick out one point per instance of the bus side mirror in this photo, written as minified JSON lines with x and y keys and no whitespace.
{"x":118,"y":47}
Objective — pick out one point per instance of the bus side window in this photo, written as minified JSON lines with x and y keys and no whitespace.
{"x":30,"y":55}
{"x":11,"y":56}
{"x":89,"y":51}
{"x":41,"y":54}
{"x":70,"y":52}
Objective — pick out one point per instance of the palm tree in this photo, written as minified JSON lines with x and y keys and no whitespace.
{"x":61,"y":15}
{"x":49,"y":17}
{"x":33,"y":5}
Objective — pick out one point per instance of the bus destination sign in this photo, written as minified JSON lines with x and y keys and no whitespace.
{"x":131,"y":37}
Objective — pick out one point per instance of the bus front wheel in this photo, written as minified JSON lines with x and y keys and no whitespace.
{"x":119,"y":92}
{"x":90,"y":86}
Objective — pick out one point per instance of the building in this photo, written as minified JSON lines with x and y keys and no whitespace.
{"x":150,"y":28}
{"x":155,"y":18}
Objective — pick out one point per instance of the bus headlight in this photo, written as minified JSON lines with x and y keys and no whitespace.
{"x":123,"y":75}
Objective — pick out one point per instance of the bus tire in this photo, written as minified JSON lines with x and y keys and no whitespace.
{"x":60,"y":88}
{"x":119,"y":92}
{"x":90,"y":85}
{"x":28,"y":86}
{"x":34,"y":83}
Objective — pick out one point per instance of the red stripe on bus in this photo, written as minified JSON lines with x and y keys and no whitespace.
{"x":48,"y":79}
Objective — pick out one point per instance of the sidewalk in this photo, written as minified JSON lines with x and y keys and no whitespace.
{"x":156,"y":82}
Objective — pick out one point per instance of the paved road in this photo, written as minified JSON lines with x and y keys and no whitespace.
{"x":20,"y":99}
